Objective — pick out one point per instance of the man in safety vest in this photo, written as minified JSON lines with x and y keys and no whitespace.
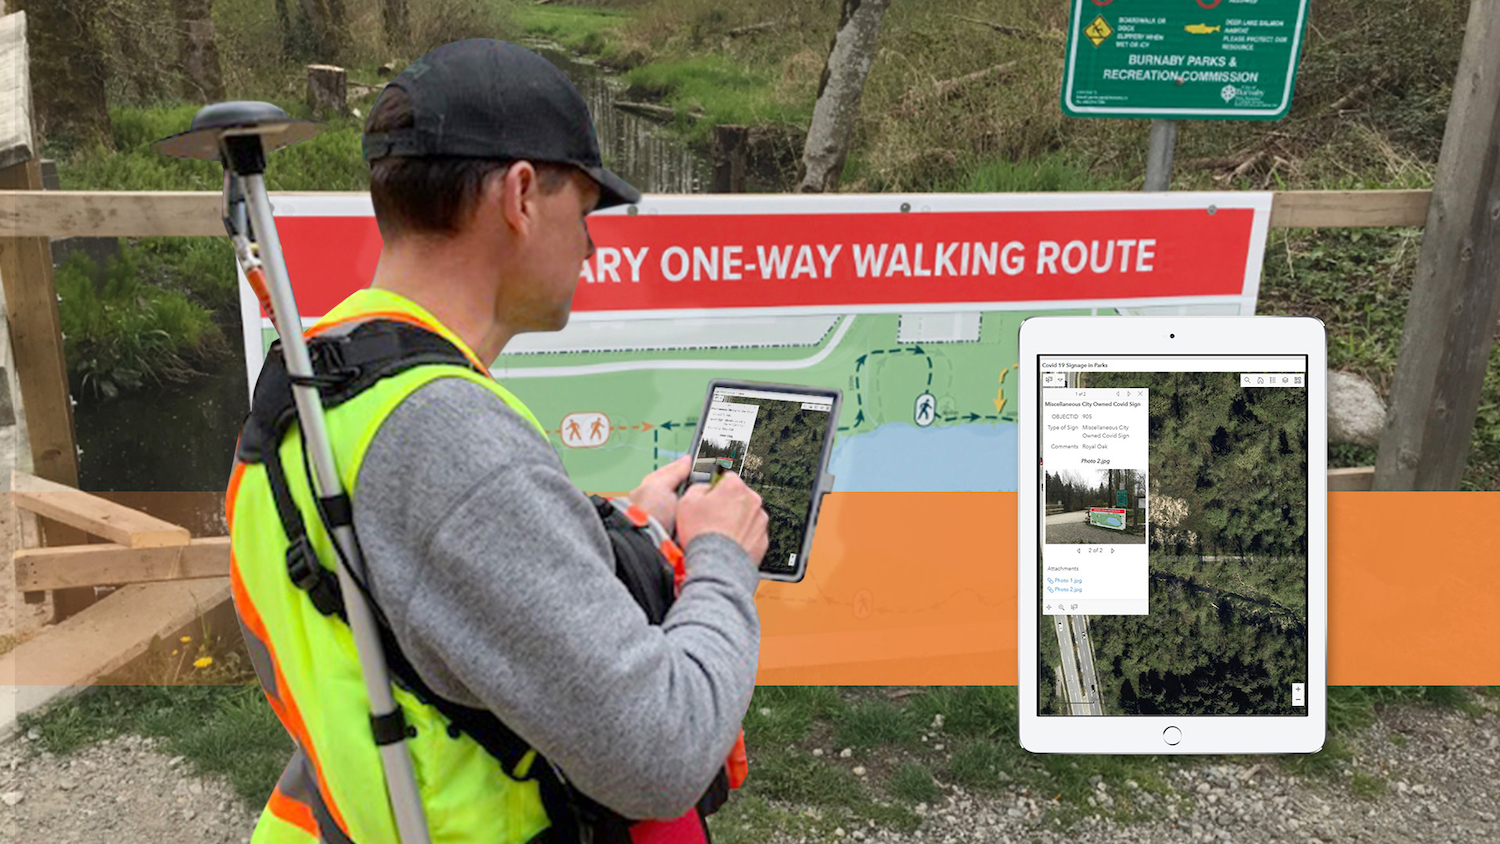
{"x":521,"y":658}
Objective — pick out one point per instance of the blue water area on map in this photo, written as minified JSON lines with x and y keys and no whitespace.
{"x":900,"y":457}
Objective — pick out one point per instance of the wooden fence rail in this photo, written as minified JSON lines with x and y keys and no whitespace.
{"x":59,"y":214}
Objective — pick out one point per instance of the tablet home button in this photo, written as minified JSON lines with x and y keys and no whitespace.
{"x":1171,"y":735}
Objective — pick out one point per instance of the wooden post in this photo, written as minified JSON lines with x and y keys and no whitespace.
{"x":730,"y":157}
{"x":1455,"y":296}
{"x":31,"y":307}
{"x":327,"y":89}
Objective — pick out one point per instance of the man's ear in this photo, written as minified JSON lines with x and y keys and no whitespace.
{"x":519,"y":187}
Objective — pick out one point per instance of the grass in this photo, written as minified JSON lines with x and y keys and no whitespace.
{"x":122,"y":330}
{"x":224,"y":730}
{"x":914,"y":784}
{"x":709,"y":90}
{"x":875,"y":723}
{"x":579,"y":29}
{"x":1049,"y":172}
{"x":1365,"y":786}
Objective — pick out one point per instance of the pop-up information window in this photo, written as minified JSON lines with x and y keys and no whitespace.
{"x":1094,"y":459}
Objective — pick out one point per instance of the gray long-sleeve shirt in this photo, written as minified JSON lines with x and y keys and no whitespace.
{"x":498,"y":580}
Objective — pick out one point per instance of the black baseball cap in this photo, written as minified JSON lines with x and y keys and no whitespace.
{"x":482,"y":98}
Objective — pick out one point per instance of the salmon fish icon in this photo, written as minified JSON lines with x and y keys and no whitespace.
{"x":1201,"y":28}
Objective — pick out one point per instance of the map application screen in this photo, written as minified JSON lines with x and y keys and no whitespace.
{"x":775,"y":442}
{"x":1172,"y":553}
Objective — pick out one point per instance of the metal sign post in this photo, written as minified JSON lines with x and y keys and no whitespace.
{"x":1159,"y":157}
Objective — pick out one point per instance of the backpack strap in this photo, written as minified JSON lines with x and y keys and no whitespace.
{"x":346,"y":363}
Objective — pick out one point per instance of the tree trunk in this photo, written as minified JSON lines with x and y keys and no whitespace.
{"x":203,"y":78}
{"x":338,"y":28}
{"x":325,"y":18}
{"x":327,"y":90}
{"x":67,"y":70}
{"x":849,"y":60}
{"x":284,"y":20}
{"x":393,"y":14}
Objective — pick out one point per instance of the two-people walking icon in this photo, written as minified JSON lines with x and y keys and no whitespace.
{"x":584,"y":429}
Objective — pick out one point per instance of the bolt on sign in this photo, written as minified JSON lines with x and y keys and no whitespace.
{"x":1177,"y":59}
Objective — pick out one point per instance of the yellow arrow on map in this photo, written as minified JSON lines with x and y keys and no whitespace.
{"x":1000,"y":394}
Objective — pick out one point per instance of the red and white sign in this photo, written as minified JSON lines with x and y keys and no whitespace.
{"x":703,"y":256}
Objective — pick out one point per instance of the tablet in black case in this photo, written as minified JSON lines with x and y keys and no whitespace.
{"x":778,"y":438}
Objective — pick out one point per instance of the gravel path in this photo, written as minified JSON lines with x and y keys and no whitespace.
{"x":1439,"y":771}
{"x":118,"y":790}
{"x":1085,"y":534}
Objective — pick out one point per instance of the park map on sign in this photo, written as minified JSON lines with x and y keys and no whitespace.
{"x":920,"y":412}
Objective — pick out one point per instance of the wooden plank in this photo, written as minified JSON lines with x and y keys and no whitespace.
{"x":1313,"y":209}
{"x":41,"y":376}
{"x":110,"y":214}
{"x":63,"y":213}
{"x":16,"y":142}
{"x":36,"y":338}
{"x":90,"y":513}
{"x":1455,"y":292}
{"x":60,"y":214}
{"x":104,"y":565}
{"x":1357,"y":479}
{"x":111,"y":633}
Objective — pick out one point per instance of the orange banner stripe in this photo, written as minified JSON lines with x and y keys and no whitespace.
{"x":920,"y":589}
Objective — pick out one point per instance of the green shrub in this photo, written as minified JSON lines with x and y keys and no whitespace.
{"x":121,"y":330}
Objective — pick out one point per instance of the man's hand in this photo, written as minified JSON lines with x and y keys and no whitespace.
{"x":730,"y":508}
{"x":657,"y":493}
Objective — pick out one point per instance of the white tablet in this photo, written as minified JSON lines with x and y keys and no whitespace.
{"x":1173,"y":541}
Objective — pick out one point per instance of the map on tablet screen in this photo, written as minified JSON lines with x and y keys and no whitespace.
{"x":1173,"y":552}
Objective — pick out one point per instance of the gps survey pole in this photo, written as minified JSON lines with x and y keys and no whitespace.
{"x":239,"y":134}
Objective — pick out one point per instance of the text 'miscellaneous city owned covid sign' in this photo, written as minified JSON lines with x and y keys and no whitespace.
{"x":1180,"y":59}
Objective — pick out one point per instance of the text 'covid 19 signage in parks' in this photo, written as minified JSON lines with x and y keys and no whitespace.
{"x":1179,"y":59}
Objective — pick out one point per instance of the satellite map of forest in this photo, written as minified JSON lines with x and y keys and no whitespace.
{"x":1226,"y":633}
{"x":781,"y":463}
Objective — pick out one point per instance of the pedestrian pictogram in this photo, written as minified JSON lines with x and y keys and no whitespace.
{"x":584,"y":430}
{"x":1098,"y":31}
{"x":925,"y":410}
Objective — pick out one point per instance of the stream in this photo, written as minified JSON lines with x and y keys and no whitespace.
{"x":168,"y":449}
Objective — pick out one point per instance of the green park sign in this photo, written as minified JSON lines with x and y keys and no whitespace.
{"x":1183,"y":59}
{"x":1121,"y":499}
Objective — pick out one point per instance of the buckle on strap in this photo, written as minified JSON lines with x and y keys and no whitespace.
{"x":308,"y":574}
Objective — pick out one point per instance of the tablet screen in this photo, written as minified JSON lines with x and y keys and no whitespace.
{"x":774,"y":440}
{"x":1173,"y":542}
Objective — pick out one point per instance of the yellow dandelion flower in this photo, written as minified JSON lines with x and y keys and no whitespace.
{"x":174,"y":653}
{"x":204,"y":662}
{"x":185,"y":639}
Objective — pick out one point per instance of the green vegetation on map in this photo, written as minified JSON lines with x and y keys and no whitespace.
{"x":1226,"y":631}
